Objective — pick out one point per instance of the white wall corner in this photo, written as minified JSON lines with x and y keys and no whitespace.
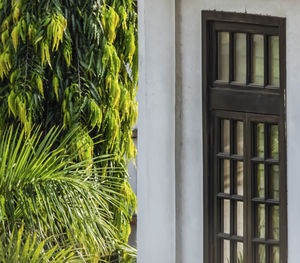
{"x":156,"y":143}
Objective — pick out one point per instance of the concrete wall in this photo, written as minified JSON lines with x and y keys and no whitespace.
{"x":156,"y":142}
{"x":157,"y":127}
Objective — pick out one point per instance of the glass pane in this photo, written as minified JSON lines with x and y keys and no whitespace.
{"x":274,"y":182}
{"x":226,"y":136}
{"x":226,"y":172}
{"x":239,"y":137}
{"x":240,"y":178}
{"x":261,"y":221}
{"x":261,"y":254}
{"x":260,"y":140}
{"x":274,"y":61}
{"x":274,"y":142}
{"x":258,"y":59}
{"x":260,"y":180}
{"x":226,"y":217}
{"x":275,"y":255}
{"x":275,"y":222}
{"x":223,"y":56}
{"x":240,"y":252}
{"x":240,"y":57}
{"x":227,"y":251}
{"x":240,"y":218}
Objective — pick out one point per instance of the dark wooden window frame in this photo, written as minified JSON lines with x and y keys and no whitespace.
{"x":248,"y":101}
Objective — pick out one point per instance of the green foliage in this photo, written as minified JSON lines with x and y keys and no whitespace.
{"x":66,"y":63}
{"x":53,"y":196}
{"x":26,"y":248}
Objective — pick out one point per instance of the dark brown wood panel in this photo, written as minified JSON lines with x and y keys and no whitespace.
{"x":245,"y":28}
{"x":235,"y":100}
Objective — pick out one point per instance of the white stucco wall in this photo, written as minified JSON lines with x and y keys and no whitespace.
{"x":156,"y":169}
{"x":157,"y":68}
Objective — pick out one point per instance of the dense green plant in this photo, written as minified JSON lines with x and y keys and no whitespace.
{"x":66,"y":62}
{"x":74,"y":62}
{"x":42,"y":188}
{"x":26,"y":248}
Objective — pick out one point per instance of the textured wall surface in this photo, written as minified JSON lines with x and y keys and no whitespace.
{"x":156,"y":142}
{"x":157,"y":67}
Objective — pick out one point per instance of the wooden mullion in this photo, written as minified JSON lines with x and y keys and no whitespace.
{"x":266,"y":137}
{"x":266,"y":177}
{"x":248,"y":187}
{"x":232,"y":137}
{"x":232,"y":151}
{"x":231,"y":157}
{"x":234,"y":219}
{"x":220,"y":163}
{"x":268,"y":256}
{"x":235,"y":258}
{"x":266,"y":60}
{"x":235,"y":178}
{"x":270,"y":242}
{"x":267,"y":219}
{"x":220,"y":245}
{"x":220,"y":177}
{"x":228,"y":237}
{"x":266,"y":150}
{"x":247,"y":177}
{"x":249,"y":59}
{"x":231,"y":197}
{"x":217,"y":204}
{"x":220,"y":139}
{"x":232,"y":143}
{"x":232,"y":254}
{"x":215,"y":41}
{"x":231,"y":56}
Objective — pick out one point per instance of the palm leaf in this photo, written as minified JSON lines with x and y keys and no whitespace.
{"x":24,"y":247}
{"x":48,"y":190}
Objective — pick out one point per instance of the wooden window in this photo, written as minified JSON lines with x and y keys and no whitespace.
{"x":245,"y":207}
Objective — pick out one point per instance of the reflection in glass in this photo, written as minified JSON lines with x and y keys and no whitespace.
{"x":261,"y":221}
{"x":240,"y":252}
{"x":239,"y":140}
{"x":260,"y":180}
{"x":275,"y":222}
{"x":223,"y":56}
{"x":226,"y":217}
{"x":274,"y":182}
{"x":260,"y":141}
{"x":275,"y":257}
{"x":226,"y":170}
{"x":226,"y":251}
{"x":258,"y":59}
{"x":240,"y":218}
{"x":240,"y":178}
{"x":240,"y":57}
{"x":261,"y":254}
{"x":226,"y":136}
{"x":274,"y":61}
{"x":274,"y":142}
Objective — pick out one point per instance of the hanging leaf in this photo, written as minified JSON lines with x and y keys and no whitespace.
{"x":55,"y":83}
{"x":66,"y":63}
{"x":15,"y":36}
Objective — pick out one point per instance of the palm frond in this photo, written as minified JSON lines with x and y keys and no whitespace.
{"x":47,"y":190}
{"x":27,"y":248}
